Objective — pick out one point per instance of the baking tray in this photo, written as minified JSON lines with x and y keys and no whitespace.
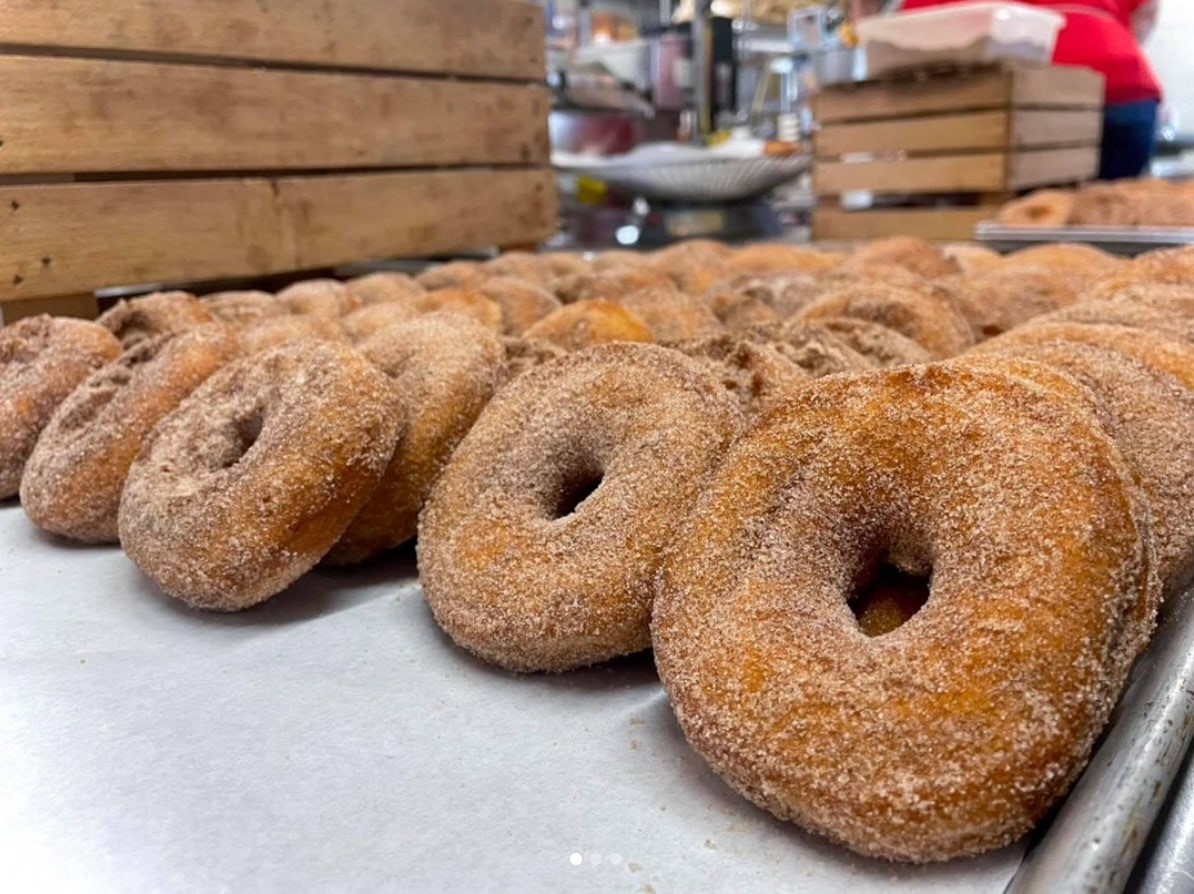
{"x":333,"y":739}
{"x":1126,"y":241}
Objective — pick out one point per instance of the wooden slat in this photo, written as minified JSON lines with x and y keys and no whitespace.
{"x":73,"y":237}
{"x":1055,"y":127}
{"x":1057,"y":86}
{"x":1042,"y":167}
{"x":934,"y":133}
{"x":979,"y":172}
{"x":983,"y":89}
{"x":82,"y":305}
{"x":84,"y":115}
{"x":925,"y":223}
{"x":492,"y":38}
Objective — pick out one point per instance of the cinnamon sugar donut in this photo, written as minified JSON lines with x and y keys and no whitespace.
{"x":672,"y":316}
{"x":783,"y":292}
{"x":373,"y":318}
{"x":159,"y":313}
{"x":926,"y":315}
{"x":737,"y":309}
{"x":999,"y":299}
{"x":883,"y":347}
{"x":1102,"y":205}
{"x":384,"y":286}
{"x":955,"y":732}
{"x":519,"y":265}
{"x":1043,"y":208}
{"x":1125,"y":313}
{"x":1162,"y":265}
{"x":610,"y":285}
{"x":249,"y":482}
{"x":586,"y":323}
{"x":617,"y":259}
{"x":778,"y":258}
{"x":274,"y":331}
{"x":242,"y":309}
{"x":444,"y":369}
{"x":74,"y":477}
{"x":916,"y":255}
{"x":753,"y":370}
{"x":1166,"y":297}
{"x":972,"y":258}
{"x":693,"y":265}
{"x":563,"y":263}
{"x":522,"y":303}
{"x":815,"y":349}
{"x":523,"y":354}
{"x":326,"y":298}
{"x":453,"y":275}
{"x":1082,"y":265}
{"x":42,"y":360}
{"x":539,"y":545}
{"x":467,"y":301}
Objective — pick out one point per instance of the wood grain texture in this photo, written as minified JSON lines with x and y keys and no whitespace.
{"x":82,"y":305}
{"x":67,"y":238}
{"x":932,"y":133}
{"x":1040,"y":128}
{"x":925,"y":223}
{"x":1057,"y":86}
{"x":975,"y":172}
{"x":490,"y":38}
{"x":86,"y":115}
{"x":1042,"y":167}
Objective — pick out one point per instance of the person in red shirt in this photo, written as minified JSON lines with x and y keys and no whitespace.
{"x":1104,"y":35}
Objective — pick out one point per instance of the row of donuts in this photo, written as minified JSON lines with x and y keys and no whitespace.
{"x":1038,"y":488}
{"x":1146,"y":202}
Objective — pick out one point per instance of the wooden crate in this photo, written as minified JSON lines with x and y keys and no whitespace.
{"x":970,"y":139}
{"x":148,"y":142}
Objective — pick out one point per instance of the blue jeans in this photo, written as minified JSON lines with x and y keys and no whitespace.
{"x":1129,"y":138}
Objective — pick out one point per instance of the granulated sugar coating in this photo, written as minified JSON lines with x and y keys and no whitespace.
{"x":363,"y":324}
{"x":274,"y":331}
{"x":540,"y":543}
{"x":1126,"y":313}
{"x":1161,"y":296}
{"x":159,"y":313}
{"x":523,"y":354}
{"x":926,"y":315}
{"x":672,"y":315}
{"x":880,"y":345}
{"x":1001,"y":298}
{"x":754,"y":370}
{"x":815,"y":349}
{"x":583,"y":324}
{"x":468,"y":301}
{"x":42,"y":360}
{"x":384,"y":286}
{"x":610,"y":285}
{"x":955,"y":732}
{"x":251,"y":480}
{"x":522,"y":303}
{"x":326,"y":298}
{"x":241,"y":309}
{"x":1153,"y":423}
{"x":916,"y":255}
{"x":444,"y":367}
{"x":73,"y":481}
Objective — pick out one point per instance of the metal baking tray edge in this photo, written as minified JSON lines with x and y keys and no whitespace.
{"x":1116,"y":240}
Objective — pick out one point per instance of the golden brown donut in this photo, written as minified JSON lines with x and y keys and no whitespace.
{"x":1125,"y":313}
{"x":539,"y":545}
{"x":1102,"y":205}
{"x":738,"y":310}
{"x":326,"y":298}
{"x":617,"y":259}
{"x":1043,"y":208}
{"x":926,"y":315}
{"x":778,"y":258}
{"x":467,"y":301}
{"x":1166,"y":297}
{"x":814,"y":348}
{"x":384,"y":286}
{"x":522,"y":303}
{"x":1152,"y":420}
{"x":1001,"y":298}
{"x":1162,"y":265}
{"x":373,"y":318}
{"x":159,"y":313}
{"x":242,"y":309}
{"x":563,"y":263}
{"x":971,"y":258}
{"x":444,"y":369}
{"x":453,"y":275}
{"x":75,"y":475}
{"x":1081,"y":266}
{"x":249,"y":482}
{"x":523,"y":354}
{"x":42,"y":360}
{"x":520,"y":265}
{"x":671,"y":315}
{"x":883,"y":347}
{"x":274,"y":331}
{"x":955,"y":732}
{"x":610,"y":285}
{"x":916,"y":255}
{"x":753,"y":370}
{"x":784,"y":292}
{"x":693,"y":265}
{"x":587,"y":323}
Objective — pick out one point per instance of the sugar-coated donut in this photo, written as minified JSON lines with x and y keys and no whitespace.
{"x":159,"y":313}
{"x":452,"y":275}
{"x":1082,"y":266}
{"x":523,"y":354}
{"x":784,"y":292}
{"x":972,"y":258}
{"x":927,"y":315}
{"x":586,"y":323}
{"x":955,"y":732}
{"x":737,"y":309}
{"x":778,"y":258}
{"x":693,"y":265}
{"x":1168,"y":297}
{"x":467,"y":301}
{"x":520,"y":265}
{"x":242,"y":309}
{"x":563,"y":263}
{"x":610,"y":285}
{"x":384,"y":286}
{"x":815,"y":348}
{"x":916,"y":255}
{"x":1001,"y":298}
{"x":274,"y":331}
{"x":326,"y":298}
{"x":672,"y":315}
{"x":540,"y":543}
{"x":373,"y":318}
{"x":522,"y":303}
{"x":249,"y":482}
{"x":1125,"y":313}
{"x":882,"y":346}
{"x":754,"y":370}
{"x":616,"y":259}
{"x":445,"y":368}
{"x":42,"y":360}
{"x":1043,"y":208}
{"x":73,"y":480}
{"x":1102,"y":205}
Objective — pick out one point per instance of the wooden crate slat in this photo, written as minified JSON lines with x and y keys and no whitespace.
{"x":66,"y":238}
{"x":1045,"y":166}
{"x":1057,"y":86}
{"x":925,"y":223}
{"x":1035,"y":128}
{"x":986,"y":89}
{"x":82,"y":305}
{"x":86,"y":115}
{"x":936,"y":133}
{"x":976,"y":172}
{"x":490,"y":38}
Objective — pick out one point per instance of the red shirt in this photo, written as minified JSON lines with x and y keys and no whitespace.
{"x":1097,"y":34}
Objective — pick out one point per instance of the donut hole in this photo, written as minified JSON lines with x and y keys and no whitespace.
{"x":574,"y":490}
{"x":247,"y":430}
{"x":887,"y":598}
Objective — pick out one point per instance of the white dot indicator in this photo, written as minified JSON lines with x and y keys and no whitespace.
{"x":615,"y":859}
{"x":575,"y":859}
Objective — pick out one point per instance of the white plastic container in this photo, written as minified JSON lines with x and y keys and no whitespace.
{"x":963,"y":33}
